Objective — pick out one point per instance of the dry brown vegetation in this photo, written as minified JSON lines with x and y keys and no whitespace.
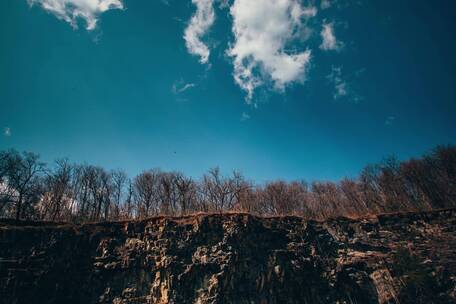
{"x":29,"y":189}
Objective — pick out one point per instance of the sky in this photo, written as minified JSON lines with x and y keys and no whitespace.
{"x":285,"y":89}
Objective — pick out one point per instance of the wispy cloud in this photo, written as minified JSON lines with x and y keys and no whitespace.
{"x":262,"y":29}
{"x":72,"y":10}
{"x":329,"y":40}
{"x":390,"y":120}
{"x":180,"y":87}
{"x":341,"y":87}
{"x":7,"y":131}
{"x":199,"y":25}
{"x":342,"y":84}
{"x":245,"y":116}
{"x":325,"y":4}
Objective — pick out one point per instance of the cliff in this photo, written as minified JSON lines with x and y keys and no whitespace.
{"x":232,"y":258}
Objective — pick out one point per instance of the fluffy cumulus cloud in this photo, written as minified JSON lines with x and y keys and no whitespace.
{"x":272,"y":40}
{"x":199,"y":25}
{"x":72,"y":10}
{"x":262,"y":30}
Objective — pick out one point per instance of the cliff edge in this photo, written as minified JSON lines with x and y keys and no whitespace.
{"x":232,"y":258}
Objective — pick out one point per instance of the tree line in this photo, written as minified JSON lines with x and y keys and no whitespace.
{"x":63,"y":191}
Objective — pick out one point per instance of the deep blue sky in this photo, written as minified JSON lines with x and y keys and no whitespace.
{"x":106,"y":96}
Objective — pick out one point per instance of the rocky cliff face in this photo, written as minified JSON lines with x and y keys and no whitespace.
{"x":238,"y":258}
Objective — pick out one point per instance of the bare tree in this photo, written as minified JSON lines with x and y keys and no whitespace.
{"x":56,"y":199}
{"x":21,"y":176}
{"x":187,"y":193}
{"x":168,"y":192}
{"x":127,"y":210}
{"x":370,"y":188}
{"x":8,"y":195}
{"x":219,"y":192}
{"x":146,"y":193}
{"x":84,"y":192}
{"x":119,"y":183}
{"x":279,"y":198}
{"x":355,"y":201}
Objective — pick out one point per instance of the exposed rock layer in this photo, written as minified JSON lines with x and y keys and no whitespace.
{"x":232,"y":258}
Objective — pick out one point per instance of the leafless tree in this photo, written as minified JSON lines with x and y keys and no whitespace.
{"x":219,"y":192}
{"x":356,"y":202}
{"x":187,"y":194}
{"x":55,"y":203}
{"x":119,"y":181}
{"x":21,"y":181}
{"x":128,"y":208}
{"x":28,"y":189}
{"x":146,"y":193}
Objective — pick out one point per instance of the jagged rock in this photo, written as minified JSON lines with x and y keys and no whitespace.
{"x":232,"y":258}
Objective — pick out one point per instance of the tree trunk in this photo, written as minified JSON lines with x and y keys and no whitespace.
{"x":19,"y":207}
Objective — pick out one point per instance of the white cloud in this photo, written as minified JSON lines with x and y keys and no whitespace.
{"x":307,"y":12}
{"x":180,"y":87}
{"x":7,"y":132}
{"x":329,"y":40}
{"x":341,"y":87}
{"x":324,"y":4}
{"x":245,"y":116}
{"x":72,"y":10}
{"x":224,"y":4}
{"x":262,"y":30}
{"x":343,"y":84}
{"x":199,"y":25}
